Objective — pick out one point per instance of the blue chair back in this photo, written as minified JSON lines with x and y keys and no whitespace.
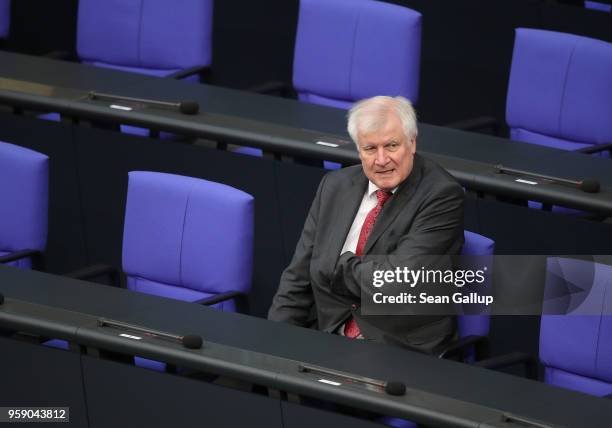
{"x":576,"y":350}
{"x":5,"y":18}
{"x":24,"y":175}
{"x":187,"y":238}
{"x":560,"y":90}
{"x":154,"y":37}
{"x":347,"y":50}
{"x":595,"y":5}
{"x":476,"y":245}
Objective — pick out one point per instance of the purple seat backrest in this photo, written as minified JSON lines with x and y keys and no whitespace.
{"x":595,"y":5}
{"x":476,"y":245}
{"x":576,"y":349}
{"x":188,"y":233}
{"x":5,"y":18}
{"x":149,"y":36}
{"x":560,"y":90}
{"x":346,"y":50}
{"x":24,"y":175}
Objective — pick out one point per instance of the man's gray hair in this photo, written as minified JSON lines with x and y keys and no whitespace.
{"x":371,"y":114}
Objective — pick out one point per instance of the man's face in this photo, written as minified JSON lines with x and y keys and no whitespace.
{"x":387,"y":154}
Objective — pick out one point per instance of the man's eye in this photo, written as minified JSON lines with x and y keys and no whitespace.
{"x":368,"y":149}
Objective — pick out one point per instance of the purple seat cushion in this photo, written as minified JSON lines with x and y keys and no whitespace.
{"x":578,"y":344}
{"x":5,"y":18}
{"x":347,"y":50}
{"x":595,"y":5}
{"x":189,"y":233}
{"x":151,"y":34}
{"x":24,"y":196}
{"x":324,"y":101}
{"x":560,"y":86}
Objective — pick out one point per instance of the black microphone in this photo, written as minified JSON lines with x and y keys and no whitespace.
{"x":189,"y":341}
{"x":185,"y":107}
{"x":588,"y":185}
{"x":390,"y":387}
{"x":1,"y":298}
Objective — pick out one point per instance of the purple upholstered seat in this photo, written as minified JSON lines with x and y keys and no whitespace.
{"x":24,"y":176}
{"x":576,"y":350}
{"x":5,"y":18}
{"x":154,"y":37}
{"x":595,"y":5}
{"x":347,"y":50}
{"x":476,"y":245}
{"x":560,"y":90}
{"x":187,"y":238}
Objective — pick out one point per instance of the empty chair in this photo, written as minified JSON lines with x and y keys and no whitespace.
{"x":24,"y":175}
{"x":576,"y":349}
{"x":5,"y":18}
{"x":153,"y":37}
{"x":187,"y":238}
{"x":347,"y":50}
{"x":560,"y":90}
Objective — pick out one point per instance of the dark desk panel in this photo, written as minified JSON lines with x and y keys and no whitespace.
{"x":65,"y":74}
{"x":122,"y":396}
{"x":35,"y":376}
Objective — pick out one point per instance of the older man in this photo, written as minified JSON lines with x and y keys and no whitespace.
{"x":395,"y":203}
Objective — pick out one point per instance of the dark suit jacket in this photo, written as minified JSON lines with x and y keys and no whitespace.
{"x":423,"y":217}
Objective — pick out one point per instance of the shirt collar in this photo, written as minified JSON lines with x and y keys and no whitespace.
{"x":372,"y":188}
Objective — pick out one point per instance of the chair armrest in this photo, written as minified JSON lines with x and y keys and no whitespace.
{"x":95,"y":271}
{"x":283,"y":89}
{"x":61,"y":55}
{"x":22,"y":254}
{"x":241,"y":301}
{"x":476,"y":124}
{"x":459,"y":347}
{"x":595,"y":149}
{"x":181,"y":74}
{"x":507,"y":360}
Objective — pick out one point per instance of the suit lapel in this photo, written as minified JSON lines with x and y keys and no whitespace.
{"x":346,"y":206}
{"x":395,"y":205}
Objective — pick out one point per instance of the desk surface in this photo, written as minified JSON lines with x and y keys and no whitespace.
{"x":255,"y":341}
{"x":290,"y":127}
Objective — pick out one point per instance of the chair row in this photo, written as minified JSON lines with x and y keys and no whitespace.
{"x":560,"y":91}
{"x":191,"y":239}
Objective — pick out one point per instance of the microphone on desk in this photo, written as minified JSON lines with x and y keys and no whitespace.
{"x":189,"y":341}
{"x":588,"y":185}
{"x":390,"y":387}
{"x":185,"y":107}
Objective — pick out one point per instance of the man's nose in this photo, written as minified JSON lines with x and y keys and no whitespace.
{"x":381,"y":156}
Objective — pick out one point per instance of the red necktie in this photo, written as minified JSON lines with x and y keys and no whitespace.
{"x":351,"y":329}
